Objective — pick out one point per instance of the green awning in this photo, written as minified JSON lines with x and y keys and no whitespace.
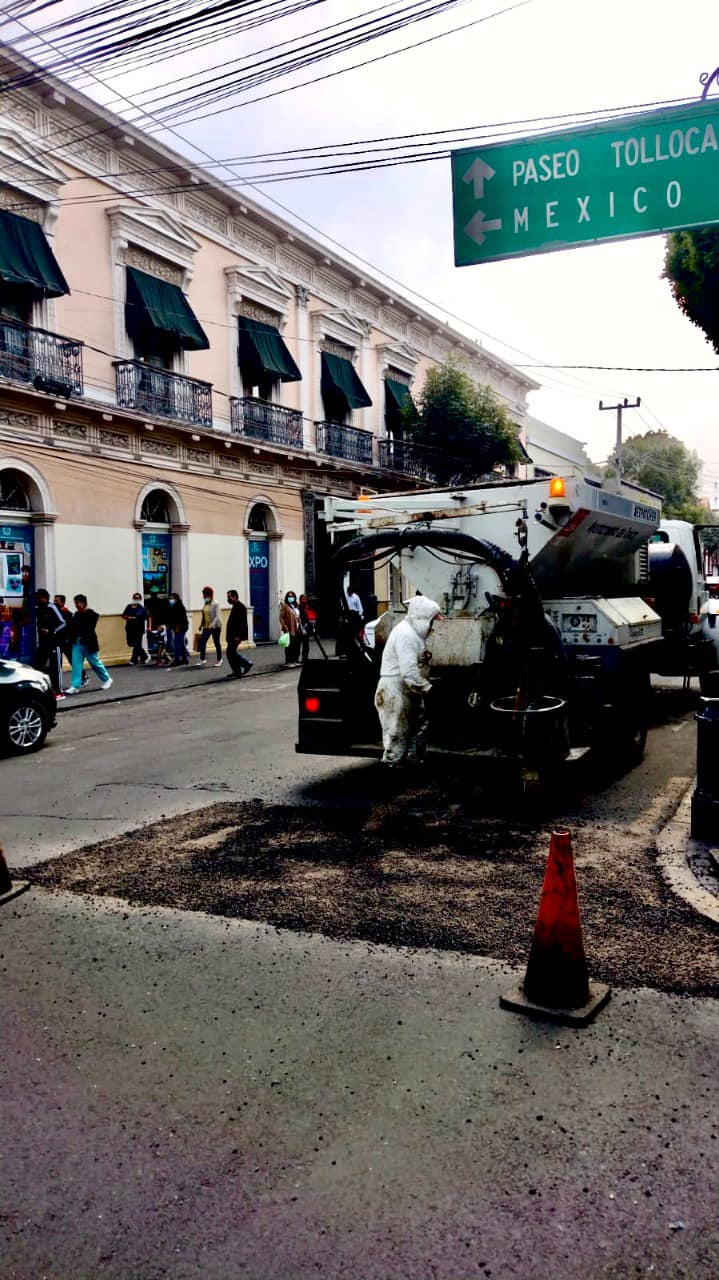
{"x":340,"y":380}
{"x":155,"y":309}
{"x":397,"y":396}
{"x":26,"y":259}
{"x":264,"y":351}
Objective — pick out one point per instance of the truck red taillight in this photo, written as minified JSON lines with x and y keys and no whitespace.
{"x":312,"y":704}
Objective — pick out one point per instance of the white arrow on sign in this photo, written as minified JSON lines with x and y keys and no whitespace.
{"x":477,"y":226}
{"x":478,"y":173}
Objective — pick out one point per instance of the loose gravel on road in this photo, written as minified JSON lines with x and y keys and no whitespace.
{"x":434,"y":864}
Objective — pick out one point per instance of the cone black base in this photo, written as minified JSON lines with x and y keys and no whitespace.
{"x":516,"y":1001}
{"x":18,"y":887}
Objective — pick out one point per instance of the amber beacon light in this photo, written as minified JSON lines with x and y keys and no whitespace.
{"x":557,"y":488}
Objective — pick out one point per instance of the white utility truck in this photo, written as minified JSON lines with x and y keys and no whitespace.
{"x":559,"y":598}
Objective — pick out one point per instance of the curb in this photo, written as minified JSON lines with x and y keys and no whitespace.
{"x":677,"y":850}
{"x":76,"y":705}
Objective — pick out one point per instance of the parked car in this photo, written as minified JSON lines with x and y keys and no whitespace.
{"x":27,"y":707}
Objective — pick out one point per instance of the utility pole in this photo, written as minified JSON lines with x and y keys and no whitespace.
{"x":619,"y":408}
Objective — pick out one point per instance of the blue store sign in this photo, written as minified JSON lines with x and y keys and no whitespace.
{"x":17,"y":583}
{"x":259,"y":552}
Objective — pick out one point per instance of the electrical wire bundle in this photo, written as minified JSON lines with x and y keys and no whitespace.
{"x":124,"y":35}
{"x":128,"y":40}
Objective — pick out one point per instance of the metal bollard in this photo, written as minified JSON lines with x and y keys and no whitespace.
{"x":705,"y":801}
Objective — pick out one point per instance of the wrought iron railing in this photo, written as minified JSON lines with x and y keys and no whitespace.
{"x":344,"y":442}
{"x":47,"y":360}
{"x":410,"y":459}
{"x":261,"y":420}
{"x":157,"y":391}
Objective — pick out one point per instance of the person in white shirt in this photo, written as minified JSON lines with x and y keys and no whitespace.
{"x":353,"y":602}
{"x":211,"y":626}
{"x":710,"y":619}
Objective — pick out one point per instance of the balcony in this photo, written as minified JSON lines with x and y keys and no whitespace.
{"x":407,"y":458}
{"x":261,"y":420}
{"x":47,"y":360}
{"x":157,"y":392}
{"x":344,"y":442}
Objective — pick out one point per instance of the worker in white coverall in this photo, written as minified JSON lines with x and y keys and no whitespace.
{"x":403,"y":682}
{"x":710,"y":620}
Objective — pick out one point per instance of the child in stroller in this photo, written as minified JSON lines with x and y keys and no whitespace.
{"x":157,"y":646}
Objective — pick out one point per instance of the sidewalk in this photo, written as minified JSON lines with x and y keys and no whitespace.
{"x":690,"y":867}
{"x":143,"y":682}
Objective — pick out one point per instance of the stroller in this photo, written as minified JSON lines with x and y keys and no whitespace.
{"x":157,"y":647}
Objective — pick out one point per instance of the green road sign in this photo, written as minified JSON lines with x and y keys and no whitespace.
{"x":633,"y":176}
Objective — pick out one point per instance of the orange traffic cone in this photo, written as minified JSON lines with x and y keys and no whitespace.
{"x":556,"y":985}
{"x":8,"y":889}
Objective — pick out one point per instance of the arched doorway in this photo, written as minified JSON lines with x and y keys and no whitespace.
{"x":156,"y":553}
{"x":160,"y":520}
{"x":261,"y":524}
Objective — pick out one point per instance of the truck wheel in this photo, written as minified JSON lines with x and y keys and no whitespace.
{"x":632,"y":742}
{"x":622,"y":736}
{"x":632,"y":719}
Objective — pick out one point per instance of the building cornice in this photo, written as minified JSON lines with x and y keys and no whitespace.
{"x":267,"y":237}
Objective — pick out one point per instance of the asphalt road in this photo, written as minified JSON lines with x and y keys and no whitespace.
{"x":192,"y":1098}
{"x":114,"y":766}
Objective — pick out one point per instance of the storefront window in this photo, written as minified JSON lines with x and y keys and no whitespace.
{"x":17,"y":630}
{"x":156,"y":554}
{"x":155,"y":509}
{"x":260,"y":521}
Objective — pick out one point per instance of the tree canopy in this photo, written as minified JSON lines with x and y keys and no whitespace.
{"x":658,"y":461}
{"x":691,"y":265}
{"x":471,"y":432}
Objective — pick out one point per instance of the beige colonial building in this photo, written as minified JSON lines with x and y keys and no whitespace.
{"x":183,"y":375}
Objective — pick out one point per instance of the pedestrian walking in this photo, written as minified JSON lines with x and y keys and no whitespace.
{"x":51,"y":627}
{"x":60,"y":602}
{"x":290,"y":625}
{"x":356,"y":611}
{"x":308,"y":618}
{"x":235,"y":632}
{"x":85,"y":645}
{"x":135,"y":616}
{"x":353,"y":602}
{"x":211,"y":626}
{"x":178,"y":622}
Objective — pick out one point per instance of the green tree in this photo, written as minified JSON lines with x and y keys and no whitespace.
{"x":660,"y":462}
{"x":467,"y":427}
{"x":691,"y":265}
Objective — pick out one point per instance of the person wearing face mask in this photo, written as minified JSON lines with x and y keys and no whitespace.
{"x":399,"y":699}
{"x":211,"y":626}
{"x":135,"y":616}
{"x":290,"y":623}
{"x":177,"y":624}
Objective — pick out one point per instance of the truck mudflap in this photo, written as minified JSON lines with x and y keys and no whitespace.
{"x":336,"y":709}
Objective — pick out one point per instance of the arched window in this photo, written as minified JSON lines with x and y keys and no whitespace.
{"x":260,"y":518}
{"x":155,"y":508}
{"x":13,"y":491}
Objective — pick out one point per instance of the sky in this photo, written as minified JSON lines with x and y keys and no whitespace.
{"x":599,"y":305}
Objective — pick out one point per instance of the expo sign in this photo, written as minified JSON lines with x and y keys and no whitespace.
{"x":636,"y":176}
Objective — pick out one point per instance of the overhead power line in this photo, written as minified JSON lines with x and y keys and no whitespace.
{"x":628,"y":368}
{"x":412,"y":292}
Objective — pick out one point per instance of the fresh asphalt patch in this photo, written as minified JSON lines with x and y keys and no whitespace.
{"x":426,"y":865}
